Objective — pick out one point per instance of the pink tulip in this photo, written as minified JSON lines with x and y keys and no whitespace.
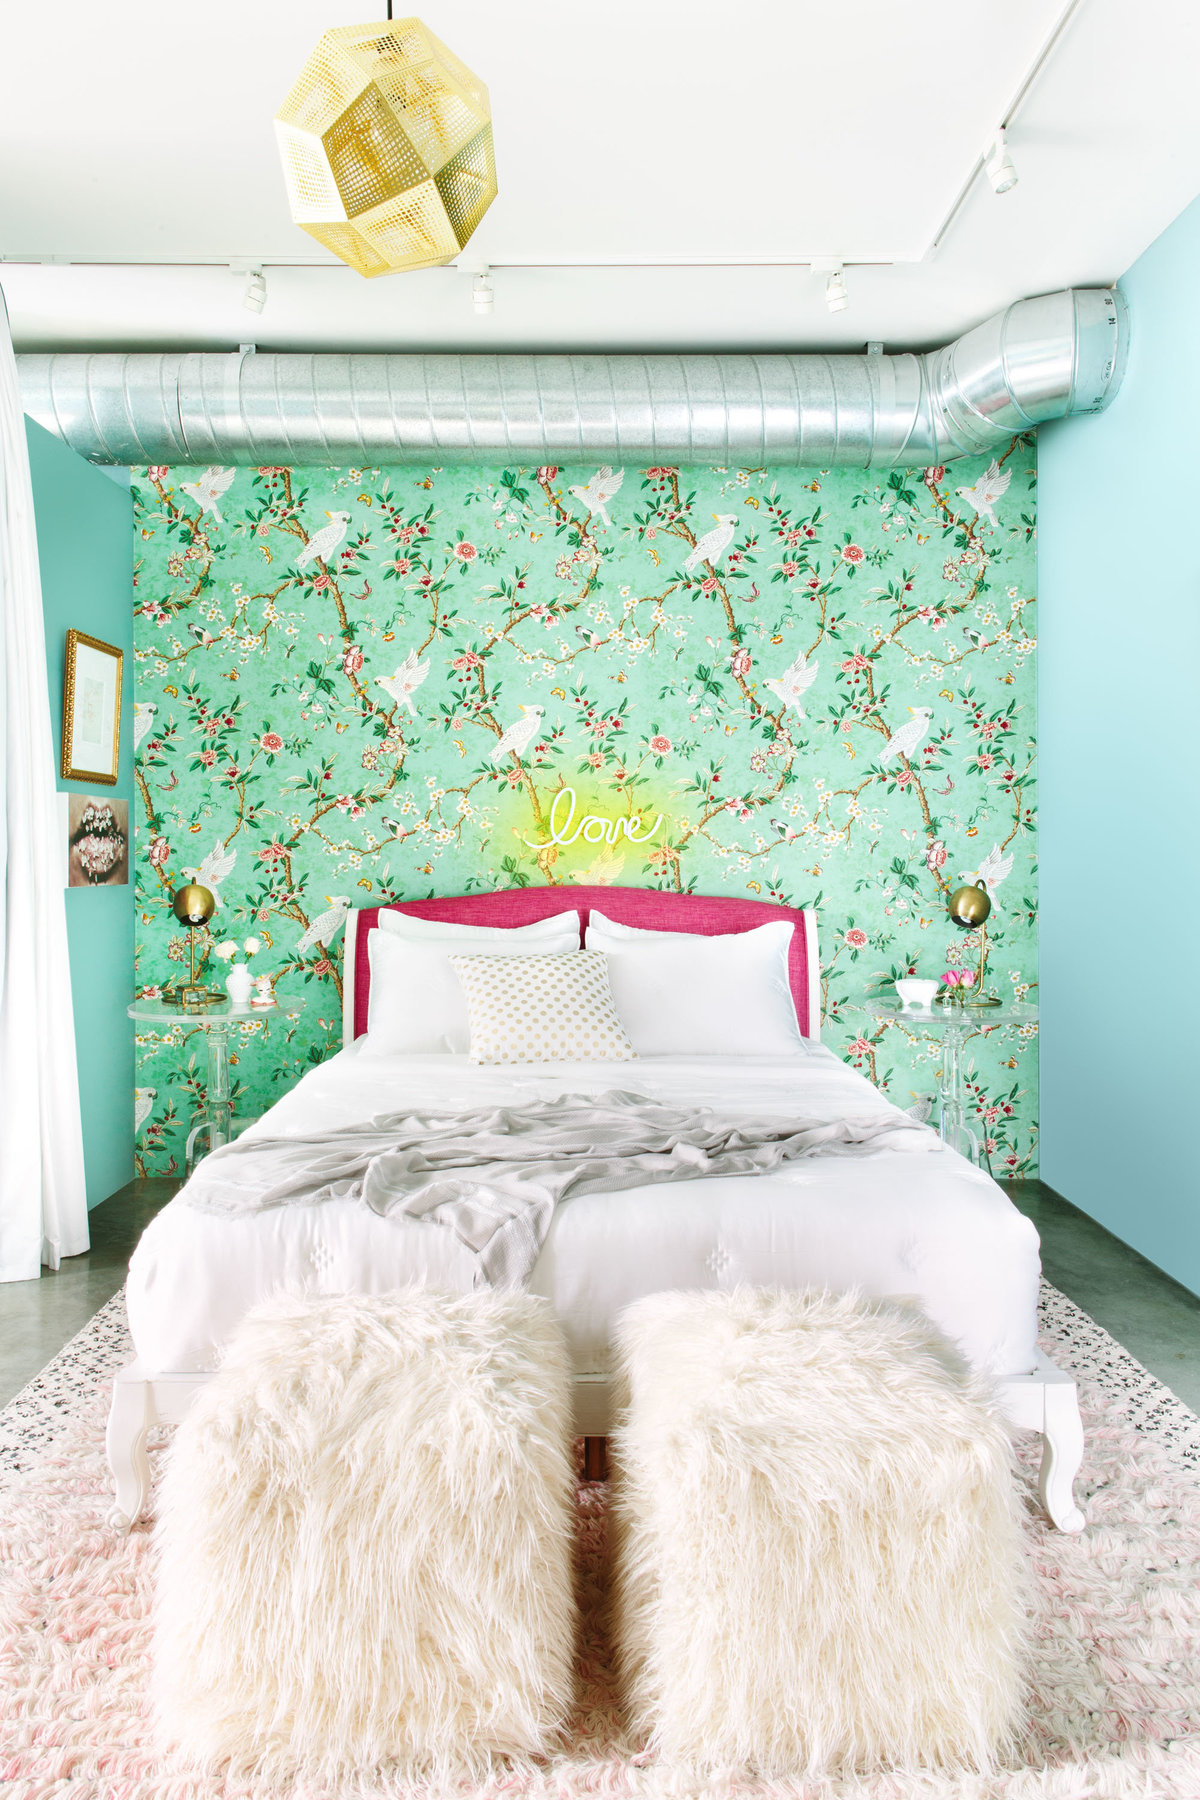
{"x":966,"y":977}
{"x":951,"y":978}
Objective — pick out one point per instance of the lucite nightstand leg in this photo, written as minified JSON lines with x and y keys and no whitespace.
{"x":954,"y":1128}
{"x":219,"y":1106}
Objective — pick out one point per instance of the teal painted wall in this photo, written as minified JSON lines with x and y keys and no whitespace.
{"x":83,"y":527}
{"x":1119,"y":696}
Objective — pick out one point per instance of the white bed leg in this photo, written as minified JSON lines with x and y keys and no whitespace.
{"x":1062,"y":1453}
{"x":125,"y":1441}
{"x":1045,"y":1401}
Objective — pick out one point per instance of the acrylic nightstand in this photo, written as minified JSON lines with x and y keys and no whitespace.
{"x":217,"y":1024}
{"x":953,"y":1026}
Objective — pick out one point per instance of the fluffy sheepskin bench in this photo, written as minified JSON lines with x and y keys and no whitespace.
{"x":819,"y":1561}
{"x":363,"y":1544}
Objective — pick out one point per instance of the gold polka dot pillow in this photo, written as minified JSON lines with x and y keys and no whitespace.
{"x":542,"y":1008}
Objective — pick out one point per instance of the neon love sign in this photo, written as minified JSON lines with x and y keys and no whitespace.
{"x":591,"y":827}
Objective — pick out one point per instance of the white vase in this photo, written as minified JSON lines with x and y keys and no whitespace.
{"x":238,"y":983}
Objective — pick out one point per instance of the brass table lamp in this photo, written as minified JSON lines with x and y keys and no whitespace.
{"x":193,"y":906}
{"x":970,"y":907}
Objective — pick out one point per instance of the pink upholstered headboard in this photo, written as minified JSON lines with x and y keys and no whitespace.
{"x":647,"y":908}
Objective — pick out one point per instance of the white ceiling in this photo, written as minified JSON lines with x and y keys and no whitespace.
{"x":140,"y":161}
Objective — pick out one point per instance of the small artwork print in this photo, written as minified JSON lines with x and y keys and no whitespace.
{"x":97,"y":842}
{"x":91,"y":724}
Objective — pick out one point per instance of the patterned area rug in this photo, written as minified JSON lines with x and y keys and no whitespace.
{"x":1115,"y":1711}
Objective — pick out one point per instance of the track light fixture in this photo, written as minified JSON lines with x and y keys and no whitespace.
{"x":255,"y":296}
{"x":482,"y":295}
{"x":836,"y":297}
{"x":1001,"y":171}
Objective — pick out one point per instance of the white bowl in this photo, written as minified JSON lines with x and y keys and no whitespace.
{"x":916,"y":993}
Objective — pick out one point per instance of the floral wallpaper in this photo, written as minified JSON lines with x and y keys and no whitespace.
{"x":356,"y":685}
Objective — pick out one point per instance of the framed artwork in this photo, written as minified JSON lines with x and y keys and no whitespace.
{"x":97,"y":842}
{"x":91,"y":725}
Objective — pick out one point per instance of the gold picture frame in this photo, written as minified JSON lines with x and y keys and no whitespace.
{"x":91,"y":720}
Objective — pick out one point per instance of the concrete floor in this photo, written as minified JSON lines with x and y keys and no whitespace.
{"x":1150,"y":1314}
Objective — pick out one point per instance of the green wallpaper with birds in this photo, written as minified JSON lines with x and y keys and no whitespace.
{"x":355,"y":685}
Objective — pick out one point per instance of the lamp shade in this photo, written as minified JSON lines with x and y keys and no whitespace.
{"x":969,"y":906}
{"x":193,"y":905}
{"x":386,"y":141}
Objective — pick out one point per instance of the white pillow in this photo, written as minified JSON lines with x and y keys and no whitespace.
{"x":417,"y":1006}
{"x":542,"y":1009}
{"x":685,"y":994}
{"x":403,"y":924}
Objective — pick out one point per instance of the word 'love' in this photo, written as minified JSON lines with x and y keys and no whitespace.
{"x":591,"y":827}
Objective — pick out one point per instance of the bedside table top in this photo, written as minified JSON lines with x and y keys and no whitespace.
{"x":935,"y":1020}
{"x":224,"y":1013}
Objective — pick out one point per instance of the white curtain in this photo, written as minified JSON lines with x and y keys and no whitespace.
{"x":43,"y":1202}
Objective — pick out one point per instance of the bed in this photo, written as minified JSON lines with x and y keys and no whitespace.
{"x":922,"y":1224}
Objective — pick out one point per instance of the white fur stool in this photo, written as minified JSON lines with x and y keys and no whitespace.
{"x":363,"y":1544}
{"x":819,"y":1556}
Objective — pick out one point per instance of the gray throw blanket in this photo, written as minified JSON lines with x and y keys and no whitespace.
{"x":494,"y":1175}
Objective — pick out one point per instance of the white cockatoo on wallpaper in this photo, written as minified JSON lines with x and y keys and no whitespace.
{"x":405,"y":682}
{"x":794,"y":682}
{"x":143,"y":721}
{"x":991,"y":486}
{"x":520,"y":734}
{"x":603,"y":486}
{"x":143,"y":1105}
{"x":602,"y":873}
{"x":207,"y":489}
{"x":905,"y":741}
{"x":326,"y":925}
{"x":713,"y":545}
{"x":995,"y":868}
{"x":325,"y":543}
{"x":216,"y":867}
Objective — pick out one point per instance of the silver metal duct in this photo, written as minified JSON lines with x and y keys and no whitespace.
{"x":1041,"y":359}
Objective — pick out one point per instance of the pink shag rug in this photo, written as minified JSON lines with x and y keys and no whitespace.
{"x":1116,"y":1690}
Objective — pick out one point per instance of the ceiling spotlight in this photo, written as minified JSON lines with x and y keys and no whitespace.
{"x":836,"y":297}
{"x":255,"y":296}
{"x":481,"y":292}
{"x":1001,"y":171}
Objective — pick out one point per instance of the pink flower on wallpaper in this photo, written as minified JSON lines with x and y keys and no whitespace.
{"x":813,"y":583}
{"x":660,"y":745}
{"x":158,"y":471}
{"x":208,"y":758}
{"x":740,"y":663}
{"x":468,"y":660}
{"x":595,"y":760}
{"x":320,"y":583}
{"x":856,"y":938}
{"x":271,"y":742}
{"x":465,"y":552}
{"x":935,"y":856}
{"x":708,"y":585}
{"x":548,"y":471}
{"x":352,"y":660}
{"x":936,"y":473}
{"x":984,"y":761}
{"x":790,"y":570}
{"x":860,"y":1047}
{"x":853,"y":553}
{"x":323,"y":967}
{"x":273,"y":852}
{"x":153,"y":992}
{"x":405,"y":535}
{"x":159,"y":851}
{"x":853,"y":663}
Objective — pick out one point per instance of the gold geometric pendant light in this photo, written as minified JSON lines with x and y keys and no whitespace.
{"x":386,"y":141}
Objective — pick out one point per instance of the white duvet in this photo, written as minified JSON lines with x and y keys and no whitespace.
{"x":920,"y":1222}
